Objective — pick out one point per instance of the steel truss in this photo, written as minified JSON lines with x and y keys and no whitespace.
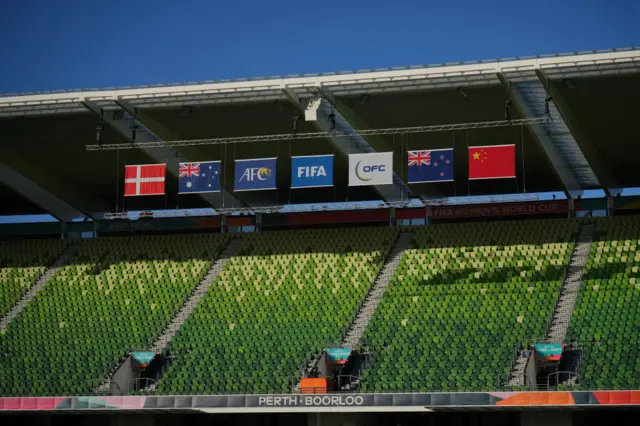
{"x":317,"y":135}
{"x":322,"y":207}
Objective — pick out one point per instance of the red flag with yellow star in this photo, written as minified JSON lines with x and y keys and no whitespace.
{"x":492,"y":162}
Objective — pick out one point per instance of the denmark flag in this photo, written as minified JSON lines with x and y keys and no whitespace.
{"x":145,"y":179}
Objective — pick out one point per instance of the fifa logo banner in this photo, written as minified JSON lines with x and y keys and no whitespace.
{"x":311,"y":171}
{"x":371,"y":169}
{"x":255,"y":175}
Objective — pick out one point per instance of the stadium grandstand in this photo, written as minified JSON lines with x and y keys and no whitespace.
{"x":458,"y":240}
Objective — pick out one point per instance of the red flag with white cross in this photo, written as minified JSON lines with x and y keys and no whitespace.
{"x":144,"y":179}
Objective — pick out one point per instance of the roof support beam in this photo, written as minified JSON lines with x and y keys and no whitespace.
{"x":570,"y":182}
{"x":354,"y":143}
{"x":145,"y":134}
{"x":608,"y":182}
{"x":61,"y":198}
{"x":40,"y":196}
{"x":351,"y":119}
{"x":159,"y":129}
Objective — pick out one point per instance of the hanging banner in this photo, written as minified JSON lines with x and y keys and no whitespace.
{"x":337,"y":356}
{"x":311,"y":171}
{"x":141,"y":359}
{"x":371,"y":169}
{"x":197,"y":178}
{"x":144,"y":179}
{"x":492,"y":162}
{"x":435,"y":165}
{"x":255,"y":174}
{"x":548,"y":351}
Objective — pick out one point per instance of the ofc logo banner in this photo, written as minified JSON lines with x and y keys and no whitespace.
{"x":255,"y":174}
{"x":311,"y":171}
{"x":371,"y":169}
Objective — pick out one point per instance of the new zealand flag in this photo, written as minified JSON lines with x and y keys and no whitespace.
{"x":435,"y":165}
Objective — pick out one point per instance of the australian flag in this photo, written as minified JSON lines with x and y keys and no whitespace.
{"x":196,"y":178}
{"x":435,"y":165}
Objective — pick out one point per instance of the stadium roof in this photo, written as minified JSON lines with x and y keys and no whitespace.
{"x":587,"y":141}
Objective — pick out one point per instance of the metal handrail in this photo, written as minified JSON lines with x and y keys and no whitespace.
{"x":140,"y":383}
{"x":342,"y":378}
{"x":94,"y":385}
{"x":568,"y":374}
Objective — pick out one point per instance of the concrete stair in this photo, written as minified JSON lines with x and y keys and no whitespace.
{"x":370,"y":304}
{"x":380,"y":285}
{"x":195,"y":298}
{"x":566,"y":301}
{"x":516,"y":375}
{"x":571,"y":286}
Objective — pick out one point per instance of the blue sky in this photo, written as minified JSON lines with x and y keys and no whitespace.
{"x":51,"y":45}
{"x":48,"y":45}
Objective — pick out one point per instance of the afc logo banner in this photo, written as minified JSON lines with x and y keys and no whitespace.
{"x":371,"y":169}
{"x":251,"y":173}
{"x":311,"y":171}
{"x":255,"y":174}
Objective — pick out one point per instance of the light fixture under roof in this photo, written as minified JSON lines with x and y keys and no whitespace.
{"x":568,"y":83}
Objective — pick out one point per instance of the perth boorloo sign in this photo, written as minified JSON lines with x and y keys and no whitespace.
{"x":321,"y":403}
{"x":311,"y":401}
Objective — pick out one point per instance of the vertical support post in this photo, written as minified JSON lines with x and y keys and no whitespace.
{"x":428,"y":214}
{"x":63,"y":230}
{"x":392,"y":216}
{"x":258,"y":222}
{"x":572,"y":207}
{"x":224,"y":228}
{"x":610,"y":206}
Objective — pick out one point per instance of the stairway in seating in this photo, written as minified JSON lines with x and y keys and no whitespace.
{"x":197,"y":295}
{"x":571,"y":286}
{"x":565,"y":303}
{"x":372,"y":300}
{"x":64,"y":257}
{"x":380,"y":285}
{"x":181,"y":316}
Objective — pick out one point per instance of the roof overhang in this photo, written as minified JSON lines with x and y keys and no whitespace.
{"x":387,"y":80}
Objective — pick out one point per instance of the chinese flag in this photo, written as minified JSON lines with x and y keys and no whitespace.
{"x":145,"y":179}
{"x":492,"y":162}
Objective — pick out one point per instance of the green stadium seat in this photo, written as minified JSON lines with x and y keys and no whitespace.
{"x":462,"y":301}
{"x":606,"y":318}
{"x":278,"y":303}
{"x":22,"y":262}
{"x":117,"y":295}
